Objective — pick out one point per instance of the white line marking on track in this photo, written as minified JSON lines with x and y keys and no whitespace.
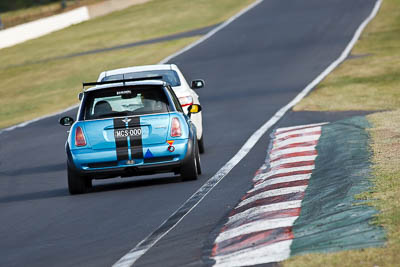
{"x":273,"y":193}
{"x":275,"y":252}
{"x":292,"y":160}
{"x":278,"y":153}
{"x":293,"y":128}
{"x":140,"y":249}
{"x":304,"y":131}
{"x":290,"y":141}
{"x":260,"y":225}
{"x":283,"y":170}
{"x":262,"y":209}
{"x":284,"y":179}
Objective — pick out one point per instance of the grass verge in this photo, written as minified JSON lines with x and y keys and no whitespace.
{"x":369,"y":82}
{"x":29,"y":90}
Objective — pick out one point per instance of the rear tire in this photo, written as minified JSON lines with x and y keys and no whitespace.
{"x":189,"y":171}
{"x":77,"y":184}
{"x":201,"y":144}
{"x":198,"y":162}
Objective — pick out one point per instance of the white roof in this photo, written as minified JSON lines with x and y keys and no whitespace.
{"x":138,"y":68}
{"x":148,"y":82}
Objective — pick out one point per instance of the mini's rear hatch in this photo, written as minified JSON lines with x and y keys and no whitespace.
{"x":123,"y":119}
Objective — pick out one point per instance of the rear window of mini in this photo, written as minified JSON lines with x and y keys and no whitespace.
{"x":125,"y":101}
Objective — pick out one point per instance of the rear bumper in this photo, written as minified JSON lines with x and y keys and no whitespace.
{"x":133,"y":170}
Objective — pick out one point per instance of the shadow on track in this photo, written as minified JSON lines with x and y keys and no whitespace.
{"x":35,"y":170}
{"x":63,"y":192}
{"x":135,"y":183}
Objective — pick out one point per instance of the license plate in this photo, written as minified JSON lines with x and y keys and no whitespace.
{"x":127,"y":132}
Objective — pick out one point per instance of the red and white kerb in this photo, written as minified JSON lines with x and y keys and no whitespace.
{"x":259,"y":229}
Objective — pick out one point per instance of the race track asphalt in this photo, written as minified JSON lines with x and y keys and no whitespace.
{"x":252,"y":68}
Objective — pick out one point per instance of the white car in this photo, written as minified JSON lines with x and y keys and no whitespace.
{"x":172,"y":75}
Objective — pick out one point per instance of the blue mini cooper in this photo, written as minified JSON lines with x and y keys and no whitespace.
{"x":130,"y":127}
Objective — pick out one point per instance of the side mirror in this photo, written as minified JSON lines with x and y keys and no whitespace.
{"x":194,"y":108}
{"x":197,"y":84}
{"x":66,"y":121}
{"x":80,"y":96}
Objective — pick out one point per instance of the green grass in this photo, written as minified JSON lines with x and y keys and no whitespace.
{"x":29,"y":90}
{"x":370,"y":83}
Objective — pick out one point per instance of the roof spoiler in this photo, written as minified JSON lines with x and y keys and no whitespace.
{"x":123,"y":81}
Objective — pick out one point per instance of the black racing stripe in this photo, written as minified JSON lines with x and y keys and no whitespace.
{"x":121,"y":142}
{"x":136,"y":141}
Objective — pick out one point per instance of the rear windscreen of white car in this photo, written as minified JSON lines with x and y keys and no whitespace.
{"x":125,"y":101}
{"x":169,"y":76}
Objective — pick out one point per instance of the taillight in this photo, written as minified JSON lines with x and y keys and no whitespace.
{"x":186,"y":101}
{"x":175,"y":128}
{"x":79,"y":137}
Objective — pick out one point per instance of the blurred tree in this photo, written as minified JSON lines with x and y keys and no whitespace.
{"x":9,"y":5}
